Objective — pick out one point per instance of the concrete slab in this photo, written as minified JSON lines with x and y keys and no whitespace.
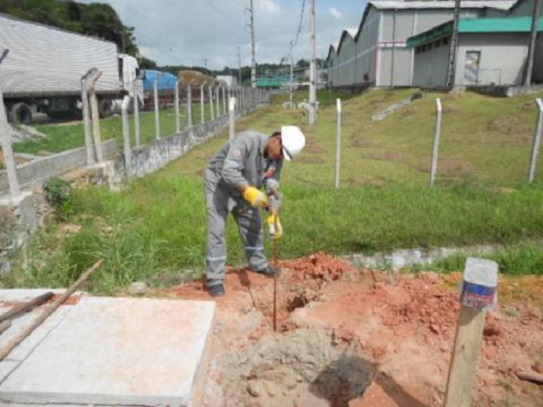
{"x":10,"y":298}
{"x":117,"y":352}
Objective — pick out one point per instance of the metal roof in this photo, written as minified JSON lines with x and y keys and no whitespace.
{"x":399,"y":5}
{"x":475,"y":25}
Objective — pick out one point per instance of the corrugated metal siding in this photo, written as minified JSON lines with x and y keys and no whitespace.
{"x":431,"y":67}
{"x":48,"y":60}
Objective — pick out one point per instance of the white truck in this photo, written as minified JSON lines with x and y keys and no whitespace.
{"x":43,"y":67}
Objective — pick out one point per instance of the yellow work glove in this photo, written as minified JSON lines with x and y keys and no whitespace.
{"x":256,"y":197}
{"x":275,"y":229}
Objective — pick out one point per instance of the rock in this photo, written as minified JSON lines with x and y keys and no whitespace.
{"x":137,"y":288}
{"x":254,"y":388}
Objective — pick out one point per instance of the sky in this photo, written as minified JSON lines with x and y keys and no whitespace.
{"x":216,"y":34}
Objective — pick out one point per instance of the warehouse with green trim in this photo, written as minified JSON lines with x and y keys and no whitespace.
{"x":491,"y":51}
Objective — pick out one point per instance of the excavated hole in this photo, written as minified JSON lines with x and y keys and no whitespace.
{"x":305,"y":366}
{"x":299,"y":301}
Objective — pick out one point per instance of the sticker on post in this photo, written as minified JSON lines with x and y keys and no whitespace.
{"x":479,"y":287}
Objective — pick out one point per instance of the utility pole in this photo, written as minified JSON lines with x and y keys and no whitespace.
{"x":313,"y":69}
{"x":239,"y":65}
{"x":291,"y":75}
{"x":205,"y":63}
{"x":253,"y":46}
{"x":532,"y":44}
{"x":451,"y":72}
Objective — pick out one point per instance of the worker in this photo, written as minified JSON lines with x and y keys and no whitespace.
{"x":242,"y":178}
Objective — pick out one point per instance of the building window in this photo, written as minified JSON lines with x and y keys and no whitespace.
{"x":445,"y":41}
{"x":423,"y":49}
{"x":429,"y":46}
{"x":417,"y":50}
{"x":438,"y":43}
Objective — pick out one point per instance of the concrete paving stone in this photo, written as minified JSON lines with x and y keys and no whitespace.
{"x":117,"y":352}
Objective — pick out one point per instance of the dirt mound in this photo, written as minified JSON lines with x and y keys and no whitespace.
{"x":336,"y":321}
{"x":195,"y":78}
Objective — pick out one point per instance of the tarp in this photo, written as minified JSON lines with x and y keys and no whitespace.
{"x":166,"y":81}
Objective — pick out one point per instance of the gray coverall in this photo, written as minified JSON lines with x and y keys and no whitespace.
{"x":239,"y":163}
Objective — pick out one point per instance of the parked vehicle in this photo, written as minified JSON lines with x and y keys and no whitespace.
{"x":44,"y":65}
{"x":166,"y":84}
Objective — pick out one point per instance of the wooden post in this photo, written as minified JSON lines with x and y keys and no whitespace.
{"x":478,"y":295}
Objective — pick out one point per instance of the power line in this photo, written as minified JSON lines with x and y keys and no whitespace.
{"x":299,"y":25}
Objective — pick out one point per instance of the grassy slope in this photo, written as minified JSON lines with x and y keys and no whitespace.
{"x":158,"y":223}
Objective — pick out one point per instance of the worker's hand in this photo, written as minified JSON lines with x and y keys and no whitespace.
{"x":275,"y":229}
{"x":256,"y":197}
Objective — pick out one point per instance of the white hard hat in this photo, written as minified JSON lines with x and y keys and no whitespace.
{"x":293,"y":141}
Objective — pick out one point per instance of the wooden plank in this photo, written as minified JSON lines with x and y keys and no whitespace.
{"x":530,"y":376}
{"x":463,"y":367}
{"x":26,"y":306}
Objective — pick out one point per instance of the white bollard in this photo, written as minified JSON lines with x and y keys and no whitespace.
{"x":136,"y":108}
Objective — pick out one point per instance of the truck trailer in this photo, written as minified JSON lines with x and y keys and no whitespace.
{"x":43,"y":67}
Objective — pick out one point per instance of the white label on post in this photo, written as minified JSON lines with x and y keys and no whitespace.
{"x":480,"y":285}
{"x":232,"y":104}
{"x":338,"y":101}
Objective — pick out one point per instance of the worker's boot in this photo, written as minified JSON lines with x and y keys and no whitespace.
{"x":269,"y":271}
{"x":216,"y":290}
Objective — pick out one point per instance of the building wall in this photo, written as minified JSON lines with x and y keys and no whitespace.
{"x":524,"y":8}
{"x":366,"y":47}
{"x":430,"y":68}
{"x":493,"y":66}
{"x":398,"y":69}
{"x":333,"y":72}
{"x":538,"y":63}
{"x":346,"y":68}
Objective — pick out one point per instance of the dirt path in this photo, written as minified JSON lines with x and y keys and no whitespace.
{"x":358,"y":338}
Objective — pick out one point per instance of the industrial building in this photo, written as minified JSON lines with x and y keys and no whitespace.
{"x":490,"y":51}
{"x":378,"y":53}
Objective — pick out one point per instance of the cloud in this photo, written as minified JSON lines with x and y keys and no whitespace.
{"x":269,"y":6}
{"x":334,"y":12}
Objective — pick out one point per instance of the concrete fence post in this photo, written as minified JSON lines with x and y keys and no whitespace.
{"x":157,"y":110}
{"x":217,"y":100}
{"x":95,"y":114}
{"x":435,"y":154}
{"x":202,"y":105}
{"x":537,"y":141}
{"x":9,"y":158}
{"x":338,"y":148}
{"x":126,"y":139}
{"x":136,"y":108}
{"x":189,"y":106}
{"x":232,"y":117}
{"x":224,"y":110}
{"x":210,"y":95}
{"x":177,"y":114}
{"x":85,"y":110}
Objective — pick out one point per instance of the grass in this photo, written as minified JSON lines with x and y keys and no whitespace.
{"x":157,"y":225}
{"x":66,"y":136}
